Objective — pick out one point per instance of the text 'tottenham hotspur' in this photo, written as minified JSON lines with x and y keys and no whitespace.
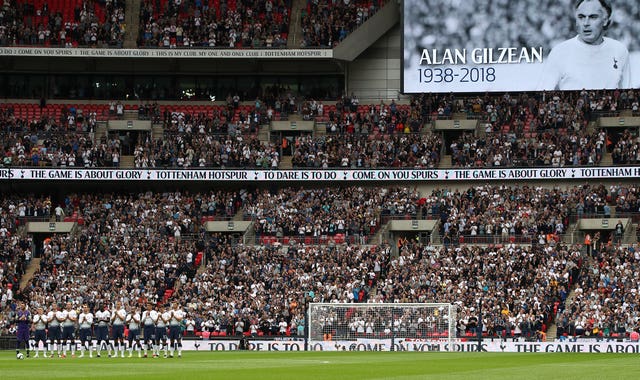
{"x":481,"y":56}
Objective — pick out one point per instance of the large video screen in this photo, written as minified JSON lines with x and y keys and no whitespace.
{"x":520,"y":45}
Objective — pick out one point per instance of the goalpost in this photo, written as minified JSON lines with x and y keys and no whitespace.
{"x":379,"y":326}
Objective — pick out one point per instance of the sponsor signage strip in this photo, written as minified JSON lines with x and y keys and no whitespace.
{"x":82,"y":174}
{"x":591,"y":346}
{"x":457,"y":345}
{"x":165,"y":53}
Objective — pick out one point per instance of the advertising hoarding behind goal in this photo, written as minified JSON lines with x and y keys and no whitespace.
{"x":589,"y":346}
{"x":525,"y":45}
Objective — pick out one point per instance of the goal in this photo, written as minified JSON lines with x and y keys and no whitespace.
{"x":379,"y":326}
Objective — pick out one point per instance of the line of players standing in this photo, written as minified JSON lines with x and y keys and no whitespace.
{"x":54,"y":332}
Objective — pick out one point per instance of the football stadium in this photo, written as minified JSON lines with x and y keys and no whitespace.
{"x":320,"y":189}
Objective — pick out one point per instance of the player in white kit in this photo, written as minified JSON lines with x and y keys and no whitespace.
{"x":85,"y":322}
{"x":133,"y":320}
{"x":70,"y":317}
{"x":175,"y":329}
{"x":40,"y":335}
{"x":149,"y":319}
{"x":161,"y":330}
{"x":118,"y":319}
{"x":103,"y":317}
{"x":55,"y":319}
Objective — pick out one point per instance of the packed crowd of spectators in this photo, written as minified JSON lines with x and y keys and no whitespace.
{"x":230,"y":120}
{"x":539,"y":129}
{"x":349,"y":116}
{"x":53,"y":23}
{"x":132,"y":247}
{"x":606,"y":296}
{"x":223,"y":24}
{"x":16,"y":247}
{"x":129,"y":247}
{"x":539,"y":150}
{"x":220,"y":138}
{"x":326,"y":23}
{"x":626,"y":150}
{"x":67,"y":140}
{"x":63,"y":149}
{"x":263,"y":290}
{"x":359,"y":151}
{"x":15,"y":255}
{"x":518,"y":133}
{"x":190,"y":150}
{"x":625,"y":199}
{"x":353,"y":212}
{"x":507,"y":214}
{"x":520,"y":287}
{"x":538,"y":112}
{"x":523,"y":113}
{"x":136,"y":247}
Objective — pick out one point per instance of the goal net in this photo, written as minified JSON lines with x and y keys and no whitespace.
{"x":379,"y":326}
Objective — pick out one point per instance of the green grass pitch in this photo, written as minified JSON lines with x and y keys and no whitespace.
{"x":334,"y":365}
